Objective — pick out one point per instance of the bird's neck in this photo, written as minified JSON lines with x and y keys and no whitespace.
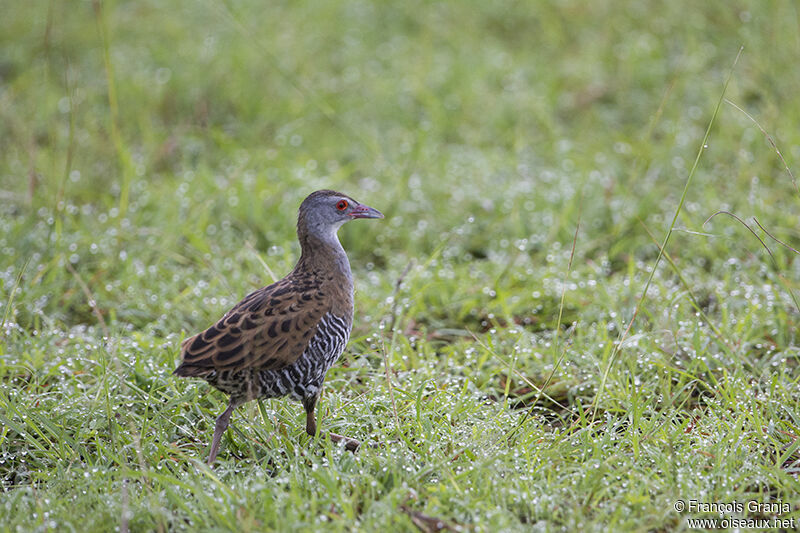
{"x":323,"y":252}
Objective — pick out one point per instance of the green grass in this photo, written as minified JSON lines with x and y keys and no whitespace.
{"x":153,"y":156}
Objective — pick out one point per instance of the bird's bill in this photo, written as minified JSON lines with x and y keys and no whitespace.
{"x":365,"y":211}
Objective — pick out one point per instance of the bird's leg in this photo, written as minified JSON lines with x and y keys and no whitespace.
{"x":219,"y":429}
{"x":310,"y":404}
{"x":311,"y":425}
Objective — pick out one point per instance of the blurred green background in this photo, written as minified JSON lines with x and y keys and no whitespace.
{"x":484,"y":126}
{"x":153,"y":155}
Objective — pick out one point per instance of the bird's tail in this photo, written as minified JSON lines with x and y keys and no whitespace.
{"x":189,"y":369}
{"x":192,"y":371}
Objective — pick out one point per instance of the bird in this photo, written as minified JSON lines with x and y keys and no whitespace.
{"x":281,"y":340}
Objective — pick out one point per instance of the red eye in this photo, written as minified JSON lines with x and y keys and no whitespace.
{"x":342,"y":205}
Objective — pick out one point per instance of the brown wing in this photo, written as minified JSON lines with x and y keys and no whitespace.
{"x":268,"y":330}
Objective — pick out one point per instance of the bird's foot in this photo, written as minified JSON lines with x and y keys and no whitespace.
{"x":349,"y":444}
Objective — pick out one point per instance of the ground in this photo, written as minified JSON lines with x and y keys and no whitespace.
{"x":523,"y":356}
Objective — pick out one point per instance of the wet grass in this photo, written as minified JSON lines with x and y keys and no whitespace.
{"x":153,"y":159}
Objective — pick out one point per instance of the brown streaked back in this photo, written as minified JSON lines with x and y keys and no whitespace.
{"x":268,"y":330}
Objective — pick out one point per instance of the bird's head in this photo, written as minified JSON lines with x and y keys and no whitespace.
{"x":322,"y":213}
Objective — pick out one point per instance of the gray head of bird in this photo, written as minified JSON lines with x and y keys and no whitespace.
{"x":322,"y":213}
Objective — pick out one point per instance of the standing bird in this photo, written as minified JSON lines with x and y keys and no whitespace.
{"x":281,"y":340}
